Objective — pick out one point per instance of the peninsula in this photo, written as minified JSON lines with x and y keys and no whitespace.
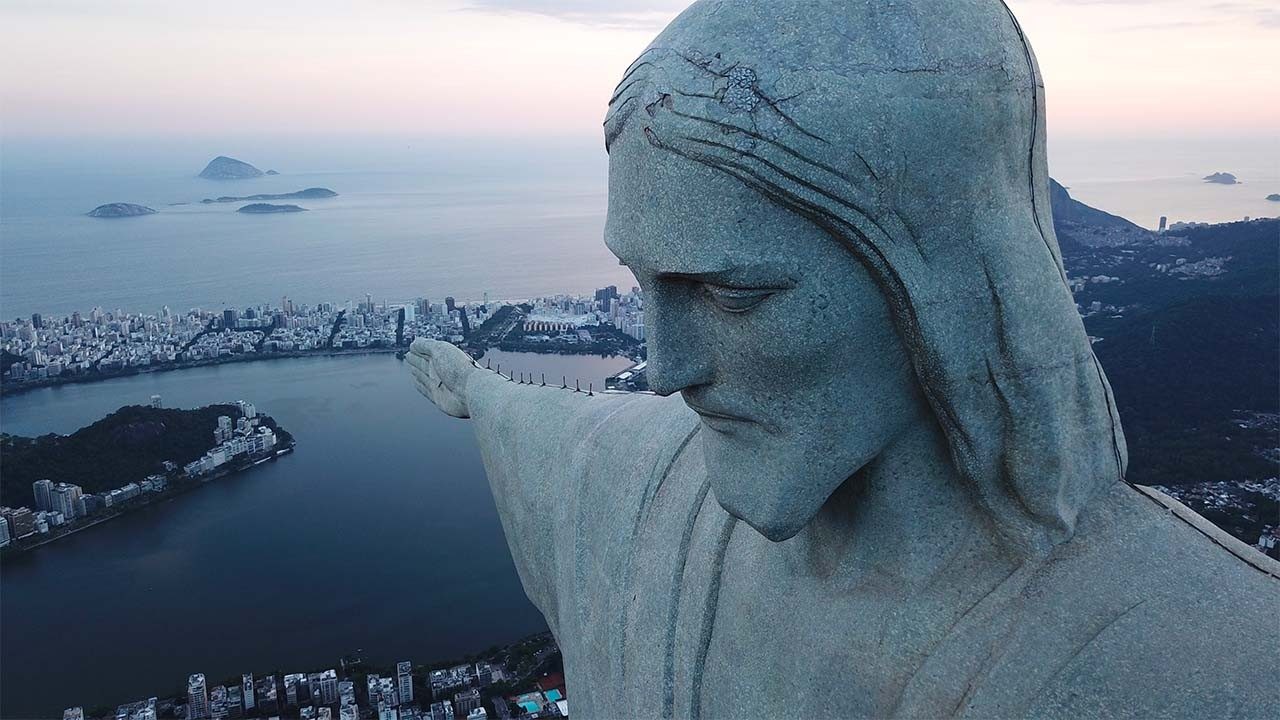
{"x":267,"y":208}
{"x":315,"y":193}
{"x":225,"y":168}
{"x":131,"y":458}
{"x":120,"y":210}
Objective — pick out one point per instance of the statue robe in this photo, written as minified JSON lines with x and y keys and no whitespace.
{"x":666,"y":606}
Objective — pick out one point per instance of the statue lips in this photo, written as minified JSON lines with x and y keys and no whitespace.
{"x":717,"y":420}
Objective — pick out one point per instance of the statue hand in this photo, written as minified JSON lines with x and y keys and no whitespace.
{"x":440,"y":371}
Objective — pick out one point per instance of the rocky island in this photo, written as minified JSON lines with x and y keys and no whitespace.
{"x":268,"y":208}
{"x":315,"y":193}
{"x":119,"y":210}
{"x":1274,"y":197}
{"x":1222,"y":178}
{"x":225,"y":168}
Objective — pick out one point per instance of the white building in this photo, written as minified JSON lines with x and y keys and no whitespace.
{"x":197,"y":697}
{"x":404,"y":676}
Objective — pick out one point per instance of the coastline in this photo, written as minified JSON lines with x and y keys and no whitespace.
{"x":175,"y":490}
{"x":14,"y":390}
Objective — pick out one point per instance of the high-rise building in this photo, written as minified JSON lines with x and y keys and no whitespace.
{"x":375,"y":690}
{"x":65,"y":498}
{"x":140,"y":710}
{"x":197,"y":697}
{"x":466,"y":701}
{"x":346,"y":693}
{"x":442,"y":710}
{"x":449,"y":305}
{"x":43,"y":490}
{"x":37,"y":321}
{"x":229,"y":318}
{"x":218,"y":702}
{"x":404,"y":677}
{"x":324,"y":687}
{"x":604,"y":295}
{"x":22,"y":521}
{"x":155,"y":401}
{"x":73,"y":713}
{"x":294,"y":685}
{"x":246,"y":684}
{"x":266,"y":696}
{"x":388,"y":692}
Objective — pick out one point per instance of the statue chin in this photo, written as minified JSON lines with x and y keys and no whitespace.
{"x":777,"y":496}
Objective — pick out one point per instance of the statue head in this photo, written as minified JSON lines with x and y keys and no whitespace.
{"x":839,"y":213}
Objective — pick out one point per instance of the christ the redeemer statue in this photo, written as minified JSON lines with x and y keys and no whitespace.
{"x":883,"y":475}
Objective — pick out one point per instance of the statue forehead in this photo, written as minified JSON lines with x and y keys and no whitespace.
{"x":668,"y":214}
{"x":848,"y":37}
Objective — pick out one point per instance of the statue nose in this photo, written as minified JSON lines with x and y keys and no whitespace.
{"x":677,"y":360}
{"x":668,"y":376}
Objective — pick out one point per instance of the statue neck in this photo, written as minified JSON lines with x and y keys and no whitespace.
{"x":906,"y":517}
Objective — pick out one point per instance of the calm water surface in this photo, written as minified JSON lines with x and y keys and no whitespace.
{"x":378,"y":533}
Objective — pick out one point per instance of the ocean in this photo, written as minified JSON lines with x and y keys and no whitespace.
{"x":420,"y":218}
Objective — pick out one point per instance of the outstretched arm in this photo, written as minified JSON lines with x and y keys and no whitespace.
{"x":559,"y":463}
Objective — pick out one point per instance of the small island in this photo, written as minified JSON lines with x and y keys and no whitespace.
{"x":315,"y":193}
{"x":1222,"y":178}
{"x":225,"y":168}
{"x":1274,"y":197}
{"x":268,"y":208}
{"x":137,"y":455}
{"x":120,"y":210}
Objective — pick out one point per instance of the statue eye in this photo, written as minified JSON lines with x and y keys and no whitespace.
{"x":736,"y":300}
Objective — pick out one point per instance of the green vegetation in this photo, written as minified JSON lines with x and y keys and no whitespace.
{"x":125,"y":446}
{"x":1191,"y":358}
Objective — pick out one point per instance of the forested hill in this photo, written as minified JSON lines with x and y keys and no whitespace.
{"x":125,"y":446}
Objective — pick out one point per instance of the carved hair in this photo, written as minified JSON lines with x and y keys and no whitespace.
{"x":981,"y":304}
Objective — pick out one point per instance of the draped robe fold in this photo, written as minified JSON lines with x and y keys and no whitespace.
{"x":666,"y":606}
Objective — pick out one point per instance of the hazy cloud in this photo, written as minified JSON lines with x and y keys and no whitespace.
{"x":653,"y":14}
{"x":625,"y":14}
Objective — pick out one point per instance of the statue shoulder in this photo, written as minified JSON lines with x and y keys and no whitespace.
{"x":1179,"y":619}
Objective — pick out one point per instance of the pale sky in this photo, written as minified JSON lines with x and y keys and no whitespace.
{"x":1113,"y":68}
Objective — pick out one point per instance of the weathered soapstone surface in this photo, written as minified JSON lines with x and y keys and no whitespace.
{"x":887,"y":477}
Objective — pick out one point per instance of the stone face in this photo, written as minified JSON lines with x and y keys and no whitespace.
{"x":119,"y":210}
{"x":225,"y":168}
{"x":887,"y":478}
